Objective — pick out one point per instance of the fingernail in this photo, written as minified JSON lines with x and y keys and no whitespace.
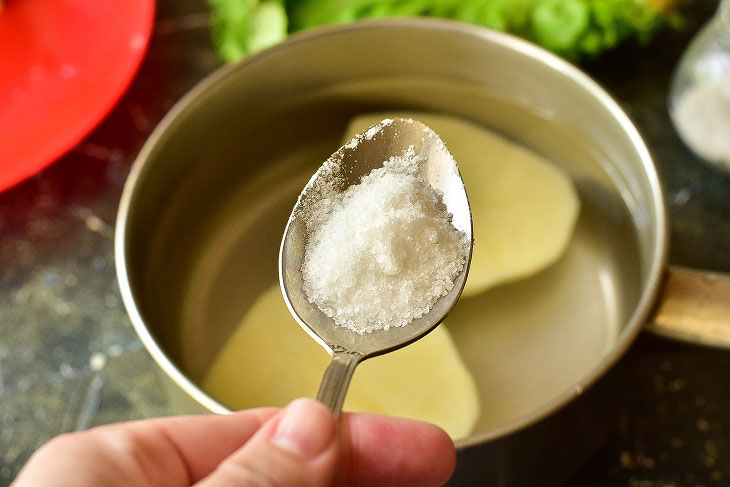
{"x":306,"y":428}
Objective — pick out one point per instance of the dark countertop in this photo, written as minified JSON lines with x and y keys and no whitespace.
{"x":69,"y":358}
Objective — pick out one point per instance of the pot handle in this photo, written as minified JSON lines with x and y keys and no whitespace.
{"x":693,"y":306}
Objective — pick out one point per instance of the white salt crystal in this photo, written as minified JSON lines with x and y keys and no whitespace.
{"x":381,"y":253}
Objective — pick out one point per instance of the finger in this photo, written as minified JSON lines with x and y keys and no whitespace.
{"x":386,"y":451}
{"x":203,"y":442}
{"x":182,"y":450}
{"x":173,"y":451}
{"x":382,"y":451}
{"x":298,"y":447}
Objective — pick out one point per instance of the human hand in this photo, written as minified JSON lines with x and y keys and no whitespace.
{"x":301,"y":445}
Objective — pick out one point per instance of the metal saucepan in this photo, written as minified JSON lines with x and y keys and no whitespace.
{"x":204,"y":208}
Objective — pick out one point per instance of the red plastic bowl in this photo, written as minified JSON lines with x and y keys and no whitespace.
{"x":63,"y":65}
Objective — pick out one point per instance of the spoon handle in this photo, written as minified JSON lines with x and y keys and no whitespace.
{"x":337,"y":378}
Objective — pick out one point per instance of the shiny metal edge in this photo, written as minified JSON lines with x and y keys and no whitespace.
{"x":660,"y":243}
{"x":120,"y":244}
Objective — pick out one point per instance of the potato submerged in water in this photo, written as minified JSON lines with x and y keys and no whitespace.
{"x":269,"y":360}
{"x":523,"y":207}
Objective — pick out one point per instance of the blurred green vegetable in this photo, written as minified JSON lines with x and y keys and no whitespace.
{"x":575,"y":29}
{"x":241,"y":27}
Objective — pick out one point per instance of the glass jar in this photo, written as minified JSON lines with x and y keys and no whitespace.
{"x":699,"y":97}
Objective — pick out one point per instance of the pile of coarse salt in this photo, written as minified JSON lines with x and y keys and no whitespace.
{"x":382,"y":252}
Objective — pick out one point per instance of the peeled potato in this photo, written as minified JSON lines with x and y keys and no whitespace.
{"x":269,"y":360}
{"x":523,"y":207}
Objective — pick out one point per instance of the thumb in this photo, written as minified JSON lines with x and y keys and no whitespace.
{"x":296,"y":447}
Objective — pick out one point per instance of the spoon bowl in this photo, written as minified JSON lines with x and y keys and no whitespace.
{"x":365,"y":152}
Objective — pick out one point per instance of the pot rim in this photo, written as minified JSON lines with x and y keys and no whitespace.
{"x":659,"y":244}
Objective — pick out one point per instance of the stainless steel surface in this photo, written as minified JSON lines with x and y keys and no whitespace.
{"x":223,"y":168}
{"x":336,"y":380}
{"x":342,"y":169}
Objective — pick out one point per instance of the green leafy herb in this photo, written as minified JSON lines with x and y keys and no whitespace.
{"x":241,"y":27}
{"x":575,"y":29}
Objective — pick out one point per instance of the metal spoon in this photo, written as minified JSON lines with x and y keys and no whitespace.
{"x":344,"y":168}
